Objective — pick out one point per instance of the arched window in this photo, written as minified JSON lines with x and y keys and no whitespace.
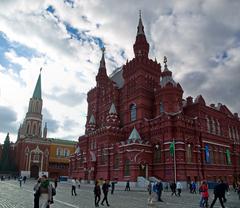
{"x":189,"y":153}
{"x":34,"y":129}
{"x":28,"y":128}
{"x":161,"y":107}
{"x":127,"y":168}
{"x":133,"y":112}
{"x":157,"y":154}
{"x":208,"y":124}
{"x":213,"y":126}
{"x":116,"y":161}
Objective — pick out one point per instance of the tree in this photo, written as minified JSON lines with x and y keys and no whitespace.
{"x":6,"y":163}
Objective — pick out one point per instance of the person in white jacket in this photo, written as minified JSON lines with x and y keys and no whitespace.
{"x":179,"y":188}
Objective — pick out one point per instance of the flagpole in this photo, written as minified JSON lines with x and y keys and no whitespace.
{"x":174,"y":163}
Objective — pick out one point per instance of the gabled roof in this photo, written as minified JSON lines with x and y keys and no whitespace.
{"x":117,"y":77}
{"x":37,"y":94}
{"x":112,"y":109}
{"x":134,"y":136}
{"x":92,"y":120}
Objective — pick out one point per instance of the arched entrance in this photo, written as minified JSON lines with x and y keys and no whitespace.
{"x":34,"y":171}
{"x":143,"y":170}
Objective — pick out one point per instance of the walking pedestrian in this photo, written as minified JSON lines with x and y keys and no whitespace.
{"x":46,"y":190}
{"x":74,"y":187}
{"x":194,"y":187}
{"x":203,"y":189}
{"x":97,"y":193}
{"x":36,"y":189}
{"x":150,"y":190}
{"x":112,"y":186}
{"x":20,"y":181}
{"x":105,"y":189}
{"x":24,"y":179}
{"x":159,"y":190}
{"x":127,"y":188}
{"x":190,"y":187}
{"x":173,"y":187}
{"x":219,"y":190}
{"x":55,"y":183}
{"x":179,"y":188}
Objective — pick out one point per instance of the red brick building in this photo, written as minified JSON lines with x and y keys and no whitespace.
{"x":138,"y":111}
{"x":33,"y":152}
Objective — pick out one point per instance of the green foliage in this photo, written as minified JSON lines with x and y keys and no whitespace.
{"x":6,"y":162}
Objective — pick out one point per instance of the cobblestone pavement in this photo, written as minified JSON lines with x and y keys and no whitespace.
{"x":12,"y":196}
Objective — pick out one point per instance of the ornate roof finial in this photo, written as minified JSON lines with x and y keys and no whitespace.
{"x":102,"y":62}
{"x":103,"y":49}
{"x":165,"y":63}
{"x":140,"y":25}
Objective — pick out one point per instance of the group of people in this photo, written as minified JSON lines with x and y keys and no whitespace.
{"x":176,"y":188}
{"x":44,"y":191}
{"x":155,"y":188}
{"x":97,"y":193}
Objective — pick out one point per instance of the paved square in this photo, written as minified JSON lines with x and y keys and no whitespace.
{"x":12,"y":196}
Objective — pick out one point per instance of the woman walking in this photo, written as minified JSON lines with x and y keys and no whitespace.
{"x":97,"y":193}
{"x":45,"y":190}
{"x":204,"y":194}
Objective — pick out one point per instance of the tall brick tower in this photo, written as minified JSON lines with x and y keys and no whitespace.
{"x":32,"y":150}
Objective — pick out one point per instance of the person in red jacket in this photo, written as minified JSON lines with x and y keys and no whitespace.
{"x":204,"y":194}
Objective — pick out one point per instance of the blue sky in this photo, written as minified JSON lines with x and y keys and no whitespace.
{"x":200,"y":38}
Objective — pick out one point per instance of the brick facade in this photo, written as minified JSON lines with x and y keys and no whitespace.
{"x":138,"y":111}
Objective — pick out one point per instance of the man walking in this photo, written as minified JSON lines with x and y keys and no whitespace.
{"x":97,"y":193}
{"x":74,"y":187}
{"x":105,"y":188}
{"x":127,"y":188}
{"x":179,"y":188}
{"x":173,"y":188}
{"x":159,"y":190}
{"x":219,"y":191}
{"x":20,"y":181}
{"x":112,"y":187}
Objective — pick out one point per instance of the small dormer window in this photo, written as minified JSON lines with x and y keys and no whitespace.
{"x":161,"y":107}
{"x":133,"y":112}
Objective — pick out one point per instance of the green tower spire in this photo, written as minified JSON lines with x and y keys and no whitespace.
{"x":37,"y":94}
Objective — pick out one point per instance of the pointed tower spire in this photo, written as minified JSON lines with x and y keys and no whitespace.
{"x":91,"y":125}
{"x":140,"y":25}
{"x":37,"y":94}
{"x":102,"y":62}
{"x":45,"y":131}
{"x":141,"y":46}
{"x":112,"y":117}
{"x":92,"y":120}
{"x":102,"y":72}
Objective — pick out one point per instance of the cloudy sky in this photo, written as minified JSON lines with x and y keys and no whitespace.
{"x":201,"y":39}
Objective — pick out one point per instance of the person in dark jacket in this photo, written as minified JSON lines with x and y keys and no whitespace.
{"x":127,"y":188}
{"x":97,"y":193}
{"x":105,"y":189}
{"x":159,"y":190}
{"x":173,"y":187}
{"x":112,"y":187}
{"x":37,"y":193}
{"x":219,"y":191}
